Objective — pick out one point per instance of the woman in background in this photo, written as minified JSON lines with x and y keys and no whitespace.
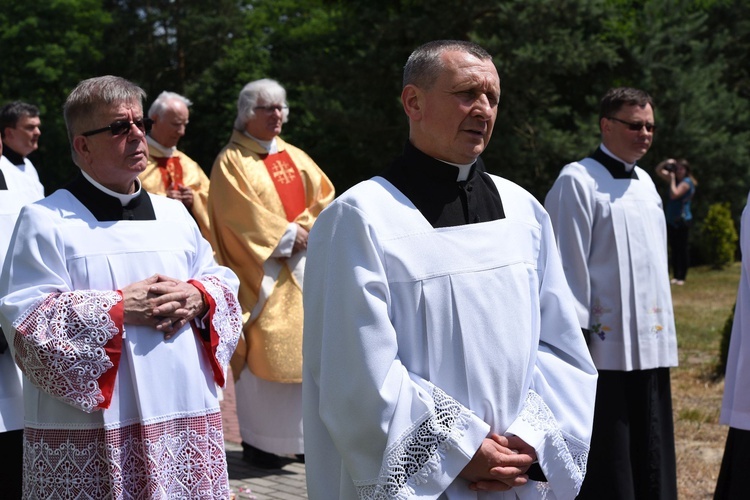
{"x":679,"y":217}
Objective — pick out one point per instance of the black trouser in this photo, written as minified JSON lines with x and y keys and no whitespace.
{"x":11,"y":447}
{"x":732,"y":482}
{"x":678,"y":243}
{"x":632,"y":453}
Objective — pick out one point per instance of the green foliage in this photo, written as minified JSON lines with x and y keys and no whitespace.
{"x":726,"y":334}
{"x":719,"y":236}
{"x":341,"y":64}
{"x":47,"y":47}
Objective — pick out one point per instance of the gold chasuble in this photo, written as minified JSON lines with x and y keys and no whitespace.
{"x":254,"y":196}
{"x":179,"y":170}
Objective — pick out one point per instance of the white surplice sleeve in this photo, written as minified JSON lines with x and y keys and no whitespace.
{"x":735,"y":407}
{"x":66,"y":342}
{"x":557,"y":416}
{"x":397,"y":434}
{"x":571,"y":209}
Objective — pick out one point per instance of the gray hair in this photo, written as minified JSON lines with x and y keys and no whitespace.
{"x":94,"y":96}
{"x":161,"y":103}
{"x":424,"y":64}
{"x":267,"y":90}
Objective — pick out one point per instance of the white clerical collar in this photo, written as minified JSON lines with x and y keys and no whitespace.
{"x":269,"y":146}
{"x":628,"y":166}
{"x":168,"y":152}
{"x":124,"y":198}
{"x":463,"y":170}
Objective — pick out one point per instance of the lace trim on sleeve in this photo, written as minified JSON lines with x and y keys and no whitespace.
{"x":419,"y":451}
{"x":572,"y":451}
{"x":226,"y":319}
{"x":60,"y":345}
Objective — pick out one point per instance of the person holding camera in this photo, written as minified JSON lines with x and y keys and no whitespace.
{"x":679,"y":217}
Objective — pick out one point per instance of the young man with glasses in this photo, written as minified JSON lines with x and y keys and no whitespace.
{"x":610,"y":230}
{"x":264,"y":197}
{"x":121,"y":321}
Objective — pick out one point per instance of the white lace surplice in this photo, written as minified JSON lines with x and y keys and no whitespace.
{"x":420,"y":341}
{"x":113,"y":415}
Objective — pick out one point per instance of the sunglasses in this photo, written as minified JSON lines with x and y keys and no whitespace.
{"x":635,"y":127}
{"x":121,"y":127}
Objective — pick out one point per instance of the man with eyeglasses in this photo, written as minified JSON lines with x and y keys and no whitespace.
{"x":264,"y":197}
{"x":611,"y":233}
{"x":19,"y":129}
{"x":121,"y":320}
{"x":170,"y":172}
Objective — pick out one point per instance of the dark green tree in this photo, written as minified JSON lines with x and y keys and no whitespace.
{"x":47,"y":48}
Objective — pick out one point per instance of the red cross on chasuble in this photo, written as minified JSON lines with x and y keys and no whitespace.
{"x":288,"y":183}
{"x":171,"y":171}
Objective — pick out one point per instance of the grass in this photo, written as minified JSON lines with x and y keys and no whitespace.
{"x":701,"y":308}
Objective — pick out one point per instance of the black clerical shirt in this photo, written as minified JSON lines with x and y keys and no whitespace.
{"x":12,"y":156}
{"x":615,"y":167}
{"x":107,"y":208}
{"x":432,"y":187}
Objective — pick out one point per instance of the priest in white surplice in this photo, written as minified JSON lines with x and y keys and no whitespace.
{"x":735,"y":406}
{"x":612,"y":236}
{"x":121,"y":320}
{"x":16,"y":190}
{"x":442,"y":355}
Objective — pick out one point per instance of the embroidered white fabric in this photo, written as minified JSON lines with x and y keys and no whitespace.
{"x":570,"y":450}
{"x":417,"y":455}
{"x":227,"y":318}
{"x":65,"y":323}
{"x":180,"y":458}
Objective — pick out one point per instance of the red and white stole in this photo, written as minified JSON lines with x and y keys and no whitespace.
{"x":288,"y":183}
{"x":171,"y":171}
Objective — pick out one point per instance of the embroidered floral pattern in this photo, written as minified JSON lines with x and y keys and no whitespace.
{"x":570,"y":450}
{"x":181,"y":458}
{"x":597,"y":311}
{"x":65,"y":334}
{"x":656,"y":327}
{"x":226,"y":319}
{"x":417,"y":455}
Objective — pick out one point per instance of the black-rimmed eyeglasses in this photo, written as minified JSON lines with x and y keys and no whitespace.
{"x":634,"y":126}
{"x":123,"y":127}
{"x":270,"y":109}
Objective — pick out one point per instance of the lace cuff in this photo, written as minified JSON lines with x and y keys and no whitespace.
{"x":225,"y":318}
{"x":562,"y":456}
{"x":420,"y":451}
{"x":61,"y":345}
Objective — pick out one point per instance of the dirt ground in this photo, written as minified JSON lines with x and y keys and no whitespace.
{"x":699,"y":439}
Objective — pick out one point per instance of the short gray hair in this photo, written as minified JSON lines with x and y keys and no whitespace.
{"x":93,"y":96}
{"x":161,"y":103}
{"x":266,"y":89}
{"x":424,"y":64}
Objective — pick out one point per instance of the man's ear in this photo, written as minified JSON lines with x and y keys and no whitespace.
{"x":412,"y":100}
{"x":81,"y":147}
{"x":605,"y":125}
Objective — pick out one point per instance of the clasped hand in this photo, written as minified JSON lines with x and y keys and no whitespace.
{"x":500,"y":464}
{"x":182,"y":193}
{"x":161,"y":302}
